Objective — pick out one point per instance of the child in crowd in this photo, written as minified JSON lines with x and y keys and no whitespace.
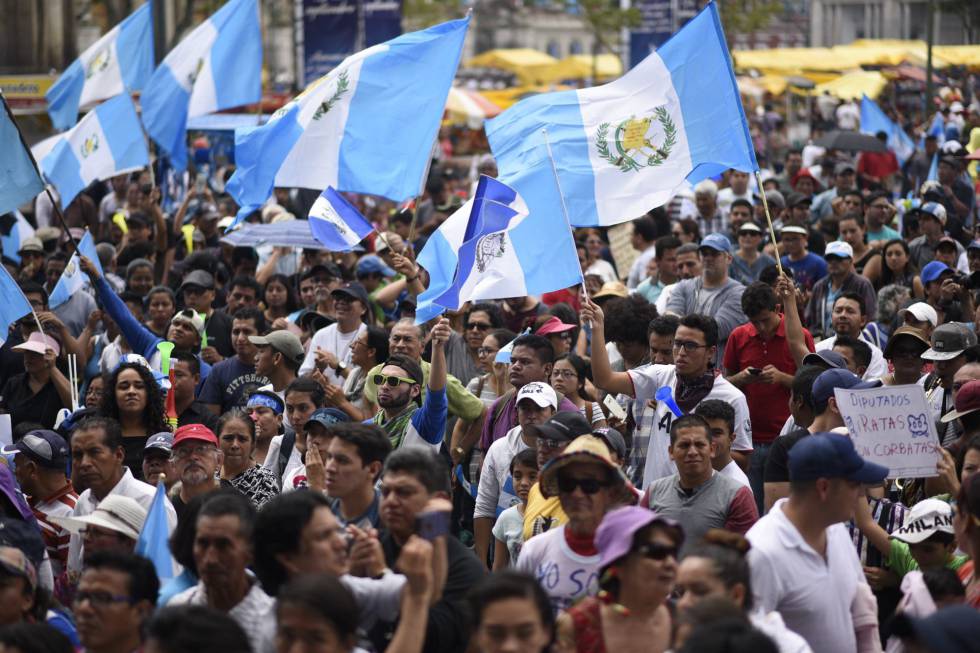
{"x":508,"y":531}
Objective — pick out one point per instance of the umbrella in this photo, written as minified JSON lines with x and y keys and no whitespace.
{"x":291,"y":233}
{"x":850,"y":141}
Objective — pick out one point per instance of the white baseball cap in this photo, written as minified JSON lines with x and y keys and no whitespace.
{"x":838,"y":248}
{"x":540,"y":393}
{"x":922,"y":312}
{"x":926,"y":518}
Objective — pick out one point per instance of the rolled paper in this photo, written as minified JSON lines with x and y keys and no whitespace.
{"x":165,"y":348}
{"x":119,"y":219}
{"x":666,"y":395}
{"x":188,"y":232}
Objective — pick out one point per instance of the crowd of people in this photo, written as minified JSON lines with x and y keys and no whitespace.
{"x":653,"y":460}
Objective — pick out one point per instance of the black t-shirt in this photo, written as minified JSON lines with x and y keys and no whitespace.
{"x":196,"y":413}
{"x":218,"y":328}
{"x":777,"y":466}
{"x":24,"y":406}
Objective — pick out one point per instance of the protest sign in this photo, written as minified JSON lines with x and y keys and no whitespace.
{"x":892,"y":426}
{"x":621,"y":247}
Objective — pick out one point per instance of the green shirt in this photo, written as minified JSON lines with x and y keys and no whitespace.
{"x":462,"y":403}
{"x":900,"y":559}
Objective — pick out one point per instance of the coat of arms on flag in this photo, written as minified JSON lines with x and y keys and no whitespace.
{"x":634,"y":140}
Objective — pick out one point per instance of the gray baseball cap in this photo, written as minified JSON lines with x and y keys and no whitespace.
{"x":282,"y":341}
{"x":949,"y":341}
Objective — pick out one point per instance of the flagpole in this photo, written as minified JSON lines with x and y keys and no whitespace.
{"x":772,"y":231}
{"x":37,"y":169}
{"x":561,"y":196}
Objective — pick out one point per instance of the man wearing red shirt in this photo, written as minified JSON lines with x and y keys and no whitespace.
{"x":875,"y":168}
{"x":761,"y":359}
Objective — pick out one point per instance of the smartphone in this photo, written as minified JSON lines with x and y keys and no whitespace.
{"x":615,"y":410}
{"x":754,"y":371}
{"x":432,"y":524}
{"x":200,"y":183}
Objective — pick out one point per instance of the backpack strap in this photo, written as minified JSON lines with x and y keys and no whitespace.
{"x":286,"y":450}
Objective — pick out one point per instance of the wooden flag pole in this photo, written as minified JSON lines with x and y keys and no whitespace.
{"x":772,"y":231}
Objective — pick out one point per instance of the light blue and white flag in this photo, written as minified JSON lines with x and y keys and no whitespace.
{"x":505,"y":242}
{"x":120,"y":61}
{"x":73,"y":279}
{"x":20,"y":230}
{"x":153,"y":540}
{"x":366,"y":127}
{"x":217,"y":66}
{"x":337,"y":223}
{"x":107,"y":142}
{"x":504,"y":353}
{"x":19,"y":180}
{"x":628,"y":146}
{"x":14,"y":305}
{"x":933,"y":168}
{"x":874,"y":120}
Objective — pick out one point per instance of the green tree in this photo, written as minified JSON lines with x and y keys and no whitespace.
{"x":419,"y":14}
{"x":747,"y":16}
{"x":606,"y":21}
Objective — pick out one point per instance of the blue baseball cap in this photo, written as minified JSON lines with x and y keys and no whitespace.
{"x":326,"y":417}
{"x":161,"y":441}
{"x":824,"y":385}
{"x":46,"y":448}
{"x":717,"y":242}
{"x":372,"y":264}
{"x":830,"y":455}
{"x":825,"y":358}
{"x":933,"y":270}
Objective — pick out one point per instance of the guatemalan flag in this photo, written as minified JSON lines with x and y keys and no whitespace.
{"x":107,"y":142}
{"x":874,"y":120}
{"x":122,"y":60}
{"x":14,"y":305}
{"x":336,"y":223}
{"x":500,"y":244}
{"x":153,"y":540}
{"x":217,"y":66}
{"x":366,"y":127}
{"x":73,"y":279}
{"x":14,"y":230}
{"x":19,"y":180}
{"x":628,"y":146}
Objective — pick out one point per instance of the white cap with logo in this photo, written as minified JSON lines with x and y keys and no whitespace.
{"x":540,"y":393}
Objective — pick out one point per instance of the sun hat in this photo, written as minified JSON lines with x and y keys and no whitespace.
{"x":39,"y":343}
{"x":583,"y":449}
{"x":614,"y":537}
{"x":116,"y":513}
{"x":906,"y":333}
{"x":553,"y":325}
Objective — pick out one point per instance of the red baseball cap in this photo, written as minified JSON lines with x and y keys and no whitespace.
{"x":194,"y":432}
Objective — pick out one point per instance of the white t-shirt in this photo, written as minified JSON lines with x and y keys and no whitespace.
{"x":878,"y":367}
{"x":733,"y":471}
{"x":650,"y":378}
{"x":509,"y":529}
{"x":493,"y":495}
{"x":331,"y":339}
{"x":565,"y":575}
{"x":295,"y":461}
{"x":726,"y":196}
{"x":812,"y":592}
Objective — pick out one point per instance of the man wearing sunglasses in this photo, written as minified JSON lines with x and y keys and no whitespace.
{"x":404,"y":416}
{"x":588,"y":484}
{"x":699,"y":495}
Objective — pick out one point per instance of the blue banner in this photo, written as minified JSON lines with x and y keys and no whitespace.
{"x":658,"y":20}
{"x":330,"y":28}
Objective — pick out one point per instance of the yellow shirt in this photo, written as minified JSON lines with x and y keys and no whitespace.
{"x":541,"y":514}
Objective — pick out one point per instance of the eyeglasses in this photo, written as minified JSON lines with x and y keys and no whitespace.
{"x":687,"y":345}
{"x":906,"y":353}
{"x":655,"y":551}
{"x":392,"y":381}
{"x":486,"y":351}
{"x":198,"y":450}
{"x":479,"y":326}
{"x":565,"y":374}
{"x":547,"y":443}
{"x":100,"y":599}
{"x":567,"y":485}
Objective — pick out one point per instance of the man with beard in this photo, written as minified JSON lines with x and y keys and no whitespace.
{"x":404,"y":417}
{"x":329,"y":349}
{"x":197,"y":460}
{"x":849,"y":315}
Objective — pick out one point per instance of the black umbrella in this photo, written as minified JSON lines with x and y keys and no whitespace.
{"x":850,"y":142}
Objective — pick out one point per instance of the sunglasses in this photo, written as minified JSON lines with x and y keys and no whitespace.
{"x":655,"y":551}
{"x":567,"y":485}
{"x":392,"y":381}
{"x":479,"y":326}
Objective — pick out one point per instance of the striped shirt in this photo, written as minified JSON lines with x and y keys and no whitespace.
{"x":60,"y":504}
{"x":890,"y":515}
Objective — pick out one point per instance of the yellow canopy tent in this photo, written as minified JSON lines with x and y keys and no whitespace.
{"x":529,"y":65}
{"x":959,"y":55}
{"x":854,"y":85}
{"x":508,"y":97}
{"x":579,"y":66}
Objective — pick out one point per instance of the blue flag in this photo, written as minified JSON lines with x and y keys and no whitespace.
{"x":20,"y":230}
{"x":19,"y":180}
{"x":874,"y":120}
{"x":366,"y":127}
{"x":628,"y":146}
{"x":153,"y":540}
{"x":337,"y":223}
{"x":14,"y":305}
{"x":933,"y":168}
{"x":217,"y":66}
{"x":508,"y":241}
{"x":119,"y":62}
{"x":73,"y":279}
{"x":107,"y":142}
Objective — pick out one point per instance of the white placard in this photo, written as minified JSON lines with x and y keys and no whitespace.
{"x":6,"y":433}
{"x":892,"y":426}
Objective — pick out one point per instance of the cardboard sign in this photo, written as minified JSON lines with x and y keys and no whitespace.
{"x":621,"y":247}
{"x":892,"y":426}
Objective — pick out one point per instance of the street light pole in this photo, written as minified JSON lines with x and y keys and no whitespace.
{"x":930,"y":37}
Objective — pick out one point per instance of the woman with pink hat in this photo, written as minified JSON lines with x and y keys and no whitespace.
{"x":42,"y":390}
{"x":638,"y":564}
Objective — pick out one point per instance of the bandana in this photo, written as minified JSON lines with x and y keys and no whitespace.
{"x":265,"y":400}
{"x":690,"y":393}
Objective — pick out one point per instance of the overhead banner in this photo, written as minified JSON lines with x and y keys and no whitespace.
{"x":328,"y":30}
{"x":658,"y":20}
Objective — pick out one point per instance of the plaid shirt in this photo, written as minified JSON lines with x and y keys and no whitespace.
{"x":716,"y":224}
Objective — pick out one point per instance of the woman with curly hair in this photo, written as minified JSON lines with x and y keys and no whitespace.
{"x":236,"y":438}
{"x":133,"y":398}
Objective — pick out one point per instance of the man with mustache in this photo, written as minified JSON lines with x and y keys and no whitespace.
{"x":197,"y":460}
